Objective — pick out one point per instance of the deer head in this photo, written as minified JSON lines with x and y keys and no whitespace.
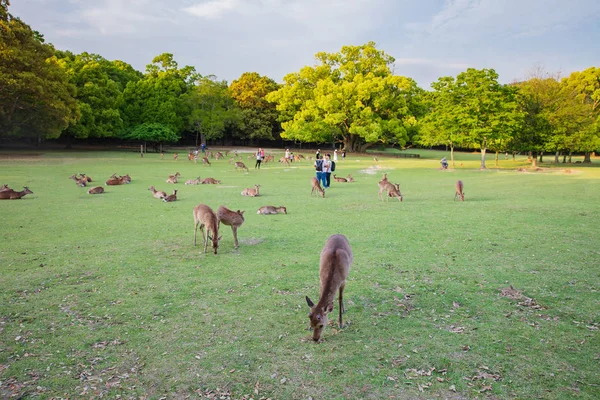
{"x":318,"y":318}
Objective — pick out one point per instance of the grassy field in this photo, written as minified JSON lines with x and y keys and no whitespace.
{"x":106,"y":296}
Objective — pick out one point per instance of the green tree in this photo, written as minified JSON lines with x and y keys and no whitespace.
{"x":36,"y":98}
{"x":259,"y":118}
{"x":153,"y":132}
{"x":210,"y":109}
{"x":156,"y":98}
{"x":350,"y":96}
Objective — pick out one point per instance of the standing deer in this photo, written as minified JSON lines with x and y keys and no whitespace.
{"x":266,"y":210}
{"x":459,"y":191}
{"x":240,"y":165}
{"x":96,"y":190}
{"x":173,"y":178}
{"x":251,"y":192}
{"x":205,"y":161}
{"x":336,"y":258}
{"x":13,"y":195}
{"x":193,"y":181}
{"x":209,"y":225}
{"x":210,"y":181}
{"x":157,"y":193}
{"x":316,"y":186}
{"x":393,"y":190}
{"x":170,"y":198}
{"x":234,"y":219}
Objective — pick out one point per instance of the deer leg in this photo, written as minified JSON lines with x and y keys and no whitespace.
{"x":204,"y":236}
{"x":235,"y":241}
{"x":195,"y":231}
{"x":341,"y":300}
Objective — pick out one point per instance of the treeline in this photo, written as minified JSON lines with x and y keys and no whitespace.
{"x":350,"y":97}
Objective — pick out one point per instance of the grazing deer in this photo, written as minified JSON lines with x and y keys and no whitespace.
{"x":205,"y":161}
{"x":349,"y":178}
{"x":209,"y":225}
{"x":96,"y":190}
{"x":284,"y":160}
{"x":335,"y":178}
{"x":459,"y":191}
{"x":193,"y":181}
{"x":240,"y":165}
{"x":175,"y":156}
{"x":336,"y":258}
{"x":209,"y":154}
{"x":173,"y":178}
{"x":251,"y":192}
{"x":375,"y":159}
{"x":234,"y":219}
{"x":267,"y":210}
{"x":219,"y":155}
{"x":316,"y":186}
{"x":79,"y":182}
{"x":210,"y":181}
{"x":4,"y":188}
{"x":391,"y":189}
{"x":170,"y":198}
{"x":14,"y":195}
{"x":157,"y":193}
{"x":269,"y":158}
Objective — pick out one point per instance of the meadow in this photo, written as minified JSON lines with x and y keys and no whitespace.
{"x":106,"y":296}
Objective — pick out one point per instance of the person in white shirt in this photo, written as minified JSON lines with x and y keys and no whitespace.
{"x":326,"y":171}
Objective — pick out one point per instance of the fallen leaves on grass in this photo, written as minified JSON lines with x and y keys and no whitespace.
{"x":516,"y":294}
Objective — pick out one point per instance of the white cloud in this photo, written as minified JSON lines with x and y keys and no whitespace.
{"x":212,"y":9}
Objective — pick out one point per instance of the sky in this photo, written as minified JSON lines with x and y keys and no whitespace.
{"x":429,"y":39}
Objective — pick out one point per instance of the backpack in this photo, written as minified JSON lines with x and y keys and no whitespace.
{"x":332,"y":166}
{"x":319,"y":166}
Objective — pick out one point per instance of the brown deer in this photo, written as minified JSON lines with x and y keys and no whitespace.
{"x":459,"y":191}
{"x":349,"y":178}
{"x":391,"y":189}
{"x":210,"y":181}
{"x":78,"y":181}
{"x":4,"y":188}
{"x":84,"y":176}
{"x":335,"y":178}
{"x":219,"y":155}
{"x":114,"y":180}
{"x":336,"y":258}
{"x":193,"y":181}
{"x":175,"y":156}
{"x":269,"y":158}
{"x":96,"y":190}
{"x":205,"y":161}
{"x":171,"y":198}
{"x":251,"y":192}
{"x":173,"y":178}
{"x":316,"y":186}
{"x":240,"y":165}
{"x":284,"y":160}
{"x":234,"y":219}
{"x":14,"y":195}
{"x":267,"y":210}
{"x":126,"y":178}
{"x":206,"y":218}
{"x":157,"y":193}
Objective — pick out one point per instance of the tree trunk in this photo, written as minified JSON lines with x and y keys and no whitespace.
{"x":533,"y":159}
{"x":556,"y":157}
{"x":529,"y":156}
{"x":564,"y":158}
{"x":452,"y":154}
{"x":541,"y":157}
{"x":514,"y":154}
{"x":570,"y":154}
{"x":483,"y":150}
{"x":587,"y":158}
{"x":497,"y":158}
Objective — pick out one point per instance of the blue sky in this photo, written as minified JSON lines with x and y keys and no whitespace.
{"x":428,"y":38}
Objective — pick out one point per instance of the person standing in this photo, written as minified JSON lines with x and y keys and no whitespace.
{"x":335,"y":156}
{"x":326,"y":176}
{"x":203,"y":147}
{"x":262,"y":154}
{"x":319,"y":168}
{"x":287,"y":155}
{"x":258,"y":159}
{"x":318,"y":154}
{"x":142,"y":150}
{"x":343,"y":154}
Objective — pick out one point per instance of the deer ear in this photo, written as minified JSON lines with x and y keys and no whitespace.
{"x":309,"y":302}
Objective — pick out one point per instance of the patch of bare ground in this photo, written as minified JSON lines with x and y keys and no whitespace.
{"x":522,"y":300}
{"x":21,"y":157}
{"x":252,"y":241}
{"x":566,"y":171}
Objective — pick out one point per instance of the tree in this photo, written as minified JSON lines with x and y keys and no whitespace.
{"x":210,"y":108}
{"x":36,"y":99}
{"x":350,"y":96}
{"x":259,"y":119}
{"x":156,"y":98}
{"x":153,"y":132}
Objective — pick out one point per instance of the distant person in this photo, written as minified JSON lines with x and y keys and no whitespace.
{"x":319,"y":169}
{"x":203,"y":147}
{"x":344,"y":154}
{"x":326,"y":176}
{"x":262,"y":154}
{"x":175,"y":156}
{"x":318,"y":154}
{"x":162,"y":155}
{"x":142,"y":150}
{"x":335,"y":155}
{"x":444,"y":163}
{"x":287,"y":155}
{"x":258,"y":159}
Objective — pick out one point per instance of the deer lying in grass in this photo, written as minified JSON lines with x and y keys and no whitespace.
{"x":240,"y":165}
{"x":173,"y":178}
{"x":234,"y":219}
{"x":251,"y":192}
{"x":210,"y":181}
{"x":336,"y":258}
{"x":158,"y":194}
{"x":316,"y":186}
{"x":114,"y":180}
{"x":170,"y":198}
{"x":79,"y":182}
{"x":126,"y":178}
{"x":96,"y":190}
{"x":84,"y":176}
{"x":193,"y":181}
{"x":349,"y":178}
{"x":459,"y":191}
{"x":205,"y":161}
{"x":335,"y":178}
{"x":14,"y":195}
{"x":4,"y":188}
{"x":206,"y":218}
{"x":267,"y":210}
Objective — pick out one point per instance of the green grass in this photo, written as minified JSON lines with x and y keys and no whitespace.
{"x":105,"y":295}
